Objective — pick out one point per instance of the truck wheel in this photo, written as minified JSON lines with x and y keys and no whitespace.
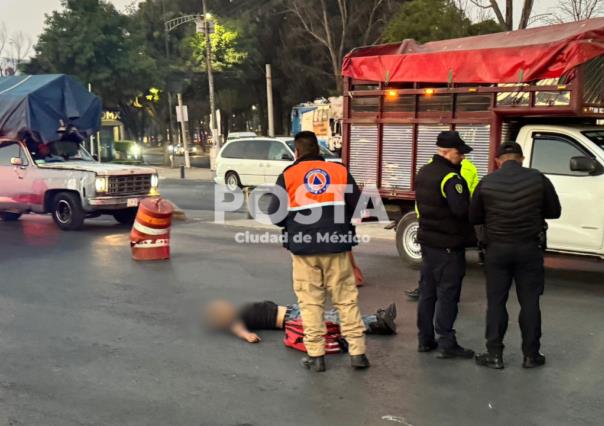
{"x":9,"y":217}
{"x":67,"y":211}
{"x":232,"y":181}
{"x":126,"y":216}
{"x":406,"y":240}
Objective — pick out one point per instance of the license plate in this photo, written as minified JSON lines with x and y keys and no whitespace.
{"x":132,"y":202}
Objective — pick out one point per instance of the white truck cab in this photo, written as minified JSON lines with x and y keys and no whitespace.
{"x":71,"y":186}
{"x":572,"y":157}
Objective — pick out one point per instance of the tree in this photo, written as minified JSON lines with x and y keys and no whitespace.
{"x":507,"y":20}
{"x":93,"y":41}
{"x":225,"y":53}
{"x":20,"y":47}
{"x":427,"y":20}
{"x":577,"y":10}
{"x":339,"y":25}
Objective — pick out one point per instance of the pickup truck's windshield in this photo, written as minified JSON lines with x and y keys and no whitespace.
{"x":596,"y":136}
{"x":62,"y":151}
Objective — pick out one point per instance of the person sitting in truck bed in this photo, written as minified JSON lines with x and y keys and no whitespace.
{"x":268,"y":315}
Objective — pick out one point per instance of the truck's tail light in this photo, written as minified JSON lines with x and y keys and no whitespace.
{"x":428,"y":92}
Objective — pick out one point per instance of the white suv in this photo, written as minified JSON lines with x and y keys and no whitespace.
{"x":256,"y":161}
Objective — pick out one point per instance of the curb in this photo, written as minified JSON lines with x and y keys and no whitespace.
{"x":179,"y":214}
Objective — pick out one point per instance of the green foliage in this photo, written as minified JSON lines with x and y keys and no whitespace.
{"x":97,"y":44}
{"x":224,"y":43}
{"x":428,"y":20}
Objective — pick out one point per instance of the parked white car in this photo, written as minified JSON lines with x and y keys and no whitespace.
{"x":240,"y":135}
{"x":256,"y":161}
{"x":70,"y":185}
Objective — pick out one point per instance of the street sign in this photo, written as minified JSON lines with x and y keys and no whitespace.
{"x":200,"y":23}
{"x":186,"y":113}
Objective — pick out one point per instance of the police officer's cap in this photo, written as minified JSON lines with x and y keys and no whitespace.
{"x":452,"y":140}
{"x":509,"y":148}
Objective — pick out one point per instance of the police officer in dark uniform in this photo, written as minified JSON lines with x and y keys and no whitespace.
{"x":513,"y":203}
{"x":443,"y":199}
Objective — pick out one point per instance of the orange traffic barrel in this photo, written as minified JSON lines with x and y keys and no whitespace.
{"x":150,"y":235}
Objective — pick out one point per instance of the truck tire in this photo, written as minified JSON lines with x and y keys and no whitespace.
{"x":232,"y":181}
{"x":67,"y":211}
{"x":9,"y":217}
{"x":126,"y":216}
{"x":406,"y":240}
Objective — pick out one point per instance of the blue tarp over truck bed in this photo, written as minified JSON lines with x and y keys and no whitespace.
{"x":40,"y":102}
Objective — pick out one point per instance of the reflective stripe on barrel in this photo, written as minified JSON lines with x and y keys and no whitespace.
{"x":150,"y":235}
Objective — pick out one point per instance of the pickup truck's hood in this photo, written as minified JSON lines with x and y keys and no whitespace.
{"x":103,"y":169}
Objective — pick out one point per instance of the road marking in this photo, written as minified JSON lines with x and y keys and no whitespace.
{"x":396,"y":419}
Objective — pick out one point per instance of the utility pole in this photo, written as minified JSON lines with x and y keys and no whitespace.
{"x":206,"y":30}
{"x":269,"y":100}
{"x":183,"y":129}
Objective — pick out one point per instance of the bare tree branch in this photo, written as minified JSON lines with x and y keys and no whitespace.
{"x":526,"y":14}
{"x":20,"y":44}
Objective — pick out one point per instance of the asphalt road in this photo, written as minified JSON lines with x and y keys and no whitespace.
{"x":90,"y":337}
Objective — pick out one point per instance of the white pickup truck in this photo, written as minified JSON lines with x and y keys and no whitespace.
{"x":572,"y":157}
{"x":70,"y":185}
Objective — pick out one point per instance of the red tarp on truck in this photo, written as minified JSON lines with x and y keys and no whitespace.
{"x":510,"y":57}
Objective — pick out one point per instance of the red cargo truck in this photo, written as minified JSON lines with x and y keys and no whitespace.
{"x":543,"y":87}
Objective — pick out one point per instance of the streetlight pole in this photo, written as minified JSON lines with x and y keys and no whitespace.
{"x":206,"y":30}
{"x":167,"y":155}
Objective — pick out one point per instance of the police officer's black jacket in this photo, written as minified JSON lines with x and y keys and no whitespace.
{"x":442,"y":198}
{"x":513,"y":203}
{"x":325,"y":235}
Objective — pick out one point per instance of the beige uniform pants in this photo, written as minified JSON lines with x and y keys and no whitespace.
{"x":316,"y":276}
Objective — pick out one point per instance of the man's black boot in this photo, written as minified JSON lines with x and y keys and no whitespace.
{"x":316,"y":363}
{"x":456,"y":352}
{"x":427,"y":347}
{"x":490,"y":360}
{"x":359,"y":362}
{"x":412,"y":294}
{"x":534,"y":361}
{"x":385,"y":321}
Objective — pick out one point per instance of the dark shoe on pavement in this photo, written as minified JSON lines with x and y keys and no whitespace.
{"x":391,"y":310}
{"x":359,"y":362}
{"x":316,"y":363}
{"x":412,"y":294}
{"x":385,"y":321}
{"x":456,"y":352}
{"x":533,"y":361}
{"x":427,"y":347}
{"x":490,"y":360}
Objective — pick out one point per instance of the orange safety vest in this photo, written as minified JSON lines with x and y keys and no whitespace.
{"x":315,"y":184}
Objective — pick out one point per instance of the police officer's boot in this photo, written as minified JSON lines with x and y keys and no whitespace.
{"x":316,"y":363}
{"x":533,"y":361}
{"x":491,"y":360}
{"x":359,"y":362}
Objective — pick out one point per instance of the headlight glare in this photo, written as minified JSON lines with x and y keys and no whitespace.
{"x":154,"y":181}
{"x":101,"y":184}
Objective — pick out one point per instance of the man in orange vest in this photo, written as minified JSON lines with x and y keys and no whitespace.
{"x":321,"y":199}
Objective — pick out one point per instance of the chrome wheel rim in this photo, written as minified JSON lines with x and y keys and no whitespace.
{"x":231,"y":183}
{"x":410,"y":244}
{"x":63,"y":212}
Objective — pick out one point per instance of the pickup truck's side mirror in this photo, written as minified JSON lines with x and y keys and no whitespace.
{"x":16,"y":161}
{"x":583,"y":164}
{"x":286,"y":157}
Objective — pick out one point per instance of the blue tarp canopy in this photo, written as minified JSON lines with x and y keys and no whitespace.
{"x":40,"y":102}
